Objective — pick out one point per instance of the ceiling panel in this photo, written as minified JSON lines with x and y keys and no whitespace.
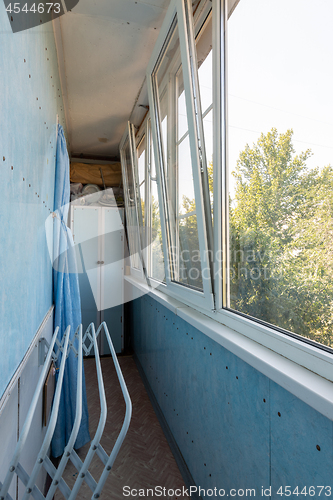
{"x":106,"y":46}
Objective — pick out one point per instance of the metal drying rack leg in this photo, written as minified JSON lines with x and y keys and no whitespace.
{"x":42,"y":459}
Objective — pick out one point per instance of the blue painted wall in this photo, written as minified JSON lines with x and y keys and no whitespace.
{"x":30,"y":98}
{"x":235,"y":427}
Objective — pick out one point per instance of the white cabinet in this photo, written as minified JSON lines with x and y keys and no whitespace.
{"x":98,"y":233}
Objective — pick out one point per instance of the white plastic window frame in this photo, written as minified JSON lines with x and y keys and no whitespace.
{"x":182,"y":11}
{"x":140,"y":137}
{"x":144,"y":133}
{"x":315,"y":358}
{"x":129,"y":137}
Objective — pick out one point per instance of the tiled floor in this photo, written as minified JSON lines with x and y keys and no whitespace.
{"x":145,"y":459}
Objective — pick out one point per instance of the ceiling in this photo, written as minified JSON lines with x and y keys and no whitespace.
{"x":103,"y":50}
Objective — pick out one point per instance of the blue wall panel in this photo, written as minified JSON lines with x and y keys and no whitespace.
{"x":213,"y":401}
{"x":30,"y":99}
{"x":223,"y":413}
{"x":302,"y":440}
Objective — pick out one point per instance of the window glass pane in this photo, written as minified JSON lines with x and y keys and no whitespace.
{"x":205,"y":75}
{"x":164,"y":123}
{"x":185,"y":178}
{"x":205,"y":63}
{"x":188,"y":251}
{"x":208,"y":131}
{"x":182,"y":115}
{"x":141,"y":174}
{"x":132,"y":226}
{"x":184,"y":250}
{"x":157,"y":256}
{"x":280,"y":130}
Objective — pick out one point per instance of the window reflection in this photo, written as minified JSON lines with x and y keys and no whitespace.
{"x":280,"y":132}
{"x":184,"y":240}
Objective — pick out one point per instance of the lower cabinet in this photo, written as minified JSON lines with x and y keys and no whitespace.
{"x":98,"y":234}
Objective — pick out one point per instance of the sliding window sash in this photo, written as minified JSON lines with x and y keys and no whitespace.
{"x":220,"y":154}
{"x":196,"y":135}
{"x":134,"y":215}
{"x":181,"y":10}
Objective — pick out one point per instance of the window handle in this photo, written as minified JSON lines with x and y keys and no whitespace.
{"x":129,"y":196}
{"x":151,"y":177}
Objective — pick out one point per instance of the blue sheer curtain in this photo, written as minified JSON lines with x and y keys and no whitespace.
{"x":67,"y":303}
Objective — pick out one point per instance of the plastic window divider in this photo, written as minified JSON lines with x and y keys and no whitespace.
{"x":65,"y":346}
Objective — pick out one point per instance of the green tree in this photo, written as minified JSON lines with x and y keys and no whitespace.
{"x":189,"y":239}
{"x":189,"y":259}
{"x":281,"y":228}
{"x":156,"y":245}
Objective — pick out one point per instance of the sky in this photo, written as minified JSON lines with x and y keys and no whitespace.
{"x":280,"y":75}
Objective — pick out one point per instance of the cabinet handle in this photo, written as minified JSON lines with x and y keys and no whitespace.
{"x":100,"y":262}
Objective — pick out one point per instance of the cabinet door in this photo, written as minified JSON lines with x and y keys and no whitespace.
{"x":112,"y":277}
{"x":86,"y":232}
